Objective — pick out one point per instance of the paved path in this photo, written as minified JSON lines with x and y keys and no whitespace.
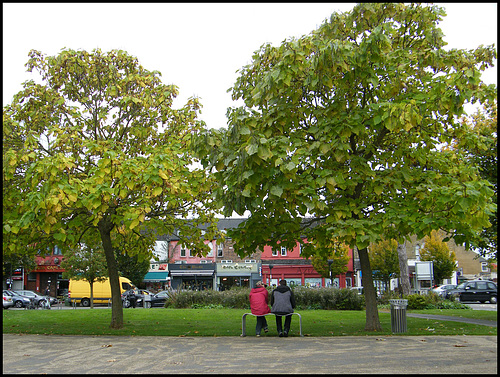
{"x":483,"y":322}
{"x":35,"y":354}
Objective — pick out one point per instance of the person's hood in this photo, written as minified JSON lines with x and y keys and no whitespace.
{"x":282,"y":288}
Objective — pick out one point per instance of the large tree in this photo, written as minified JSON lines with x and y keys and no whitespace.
{"x":339,"y":136}
{"x":96,"y":144}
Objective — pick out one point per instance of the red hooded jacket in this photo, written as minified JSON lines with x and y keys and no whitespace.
{"x":259,"y":299}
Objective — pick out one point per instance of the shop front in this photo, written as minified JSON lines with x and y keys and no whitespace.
{"x":300,"y":273}
{"x":240,"y":274}
{"x":47,"y":279}
{"x":195,"y":277}
{"x":157,"y":278}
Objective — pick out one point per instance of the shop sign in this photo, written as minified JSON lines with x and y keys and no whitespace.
{"x":236,"y":267}
{"x":49,"y":269}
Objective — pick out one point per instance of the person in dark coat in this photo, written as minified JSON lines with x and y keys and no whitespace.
{"x":132,"y":298}
{"x":282,"y":303}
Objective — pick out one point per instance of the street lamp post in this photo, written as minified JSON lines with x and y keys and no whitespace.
{"x":330,"y":261}
{"x":270,"y":274}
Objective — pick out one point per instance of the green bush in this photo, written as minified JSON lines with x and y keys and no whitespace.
{"x":237,"y":298}
{"x":416,"y":301}
{"x":432,"y":301}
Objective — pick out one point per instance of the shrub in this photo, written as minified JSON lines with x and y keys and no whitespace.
{"x":432,"y":301}
{"x":416,"y":301}
{"x":237,"y":298}
{"x":327,"y":299}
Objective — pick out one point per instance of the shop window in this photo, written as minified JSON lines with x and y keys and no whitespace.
{"x":32,"y":276}
{"x":183,"y":251}
{"x":275,"y":252}
{"x":226,"y":261}
{"x":57,"y":250}
{"x":283,"y":251}
{"x":484,"y":267}
{"x":250,"y":261}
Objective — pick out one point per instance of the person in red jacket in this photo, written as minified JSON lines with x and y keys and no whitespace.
{"x":259,"y":300}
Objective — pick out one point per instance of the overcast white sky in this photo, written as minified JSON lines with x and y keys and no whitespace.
{"x":198,"y":47}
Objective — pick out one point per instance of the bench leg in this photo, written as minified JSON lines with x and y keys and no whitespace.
{"x":243,"y":325}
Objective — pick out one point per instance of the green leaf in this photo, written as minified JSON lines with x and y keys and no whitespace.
{"x":264,"y":152}
{"x":276,"y":190}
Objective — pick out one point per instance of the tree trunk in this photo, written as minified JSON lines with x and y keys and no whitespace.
{"x":114,"y":281}
{"x":372,"y":320}
{"x":404,"y":276}
{"x":91,"y":294}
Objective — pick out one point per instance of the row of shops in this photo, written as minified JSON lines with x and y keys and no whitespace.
{"x":223,"y":276}
{"x":193,"y":276}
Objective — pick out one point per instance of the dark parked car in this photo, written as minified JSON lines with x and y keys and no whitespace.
{"x":37,"y":297}
{"x":139,"y":295}
{"x":476,"y":290}
{"x":20,"y":301}
{"x":159,"y":298}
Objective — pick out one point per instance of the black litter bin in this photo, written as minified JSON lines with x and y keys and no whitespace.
{"x":398,"y":315}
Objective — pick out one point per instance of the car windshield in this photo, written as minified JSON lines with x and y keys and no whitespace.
{"x":461,"y":286}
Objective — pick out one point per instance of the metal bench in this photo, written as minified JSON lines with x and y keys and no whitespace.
{"x":244,"y":321}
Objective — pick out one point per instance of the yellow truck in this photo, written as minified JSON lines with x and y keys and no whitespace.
{"x":79,"y":291}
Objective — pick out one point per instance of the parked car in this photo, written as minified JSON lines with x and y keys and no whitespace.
{"x":37,"y":297}
{"x":7,"y":301}
{"x":139,"y":294}
{"x":443,"y":290}
{"x":158,"y":299}
{"x":476,"y":290}
{"x":20,"y":301}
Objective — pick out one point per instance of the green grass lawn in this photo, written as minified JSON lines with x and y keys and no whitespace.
{"x":227,"y":322}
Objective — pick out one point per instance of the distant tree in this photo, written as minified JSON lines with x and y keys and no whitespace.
{"x":404,"y":275}
{"x":444,"y":262}
{"x":11,"y":262}
{"x":384,"y":260}
{"x":477,"y":140}
{"x":87,"y":262}
{"x":336,"y":253}
{"x":132,"y":267}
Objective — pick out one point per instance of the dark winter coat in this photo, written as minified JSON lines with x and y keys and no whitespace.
{"x":282,"y":300}
{"x":259,"y":299}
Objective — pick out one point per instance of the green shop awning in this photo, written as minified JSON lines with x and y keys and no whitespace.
{"x":156,"y":276}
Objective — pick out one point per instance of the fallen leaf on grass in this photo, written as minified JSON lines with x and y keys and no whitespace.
{"x":107,"y":345}
{"x":26,"y":354}
{"x":380,"y":339}
{"x":460,"y":345}
{"x":111,"y":360}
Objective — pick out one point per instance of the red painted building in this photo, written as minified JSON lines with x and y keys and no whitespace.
{"x":48,"y":273}
{"x":280,"y":263}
